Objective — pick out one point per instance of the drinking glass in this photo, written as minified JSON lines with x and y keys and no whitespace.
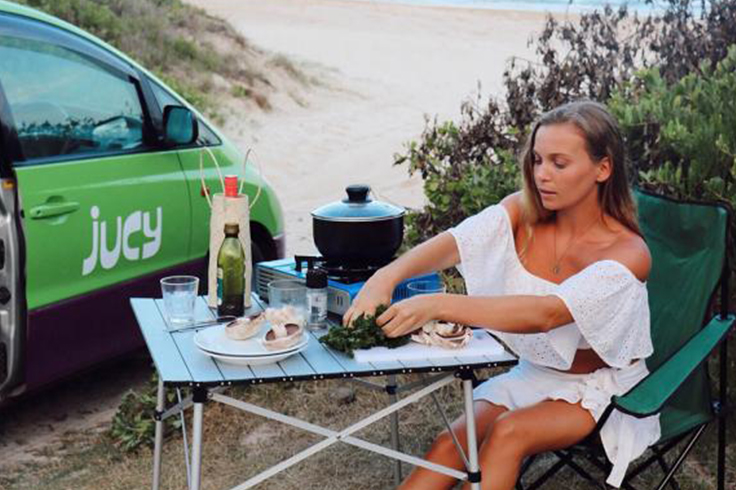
{"x":287,"y":292}
{"x":180,"y":294}
{"x":425,"y":287}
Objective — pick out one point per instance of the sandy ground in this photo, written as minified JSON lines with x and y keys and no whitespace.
{"x":385,"y":67}
{"x":381,"y":68}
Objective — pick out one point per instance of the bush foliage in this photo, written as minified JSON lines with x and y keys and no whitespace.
{"x":593,"y":57}
{"x":683,"y":135}
{"x":168,"y":37}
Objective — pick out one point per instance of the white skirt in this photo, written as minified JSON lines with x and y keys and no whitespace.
{"x":624,"y":437}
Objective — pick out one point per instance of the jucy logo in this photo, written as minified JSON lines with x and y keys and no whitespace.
{"x":136,"y":222}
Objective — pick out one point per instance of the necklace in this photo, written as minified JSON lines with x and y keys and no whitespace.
{"x":556,"y":265}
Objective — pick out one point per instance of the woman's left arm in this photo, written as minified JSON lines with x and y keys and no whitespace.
{"x":514,"y":314}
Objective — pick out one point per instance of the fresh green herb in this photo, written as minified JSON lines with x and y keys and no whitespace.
{"x":364,"y":333}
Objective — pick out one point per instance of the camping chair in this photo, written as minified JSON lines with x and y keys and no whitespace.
{"x":688,"y":242}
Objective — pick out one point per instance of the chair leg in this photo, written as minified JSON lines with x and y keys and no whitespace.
{"x":723,"y":409}
{"x":648,"y":462}
{"x":567,"y":459}
{"x":681,"y":457}
{"x":524,"y":468}
{"x":546,"y":476}
{"x":665,"y":469}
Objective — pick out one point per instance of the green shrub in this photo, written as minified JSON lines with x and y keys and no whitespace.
{"x":456,"y":184}
{"x":133,"y":425}
{"x":169,"y":38}
{"x":683,"y":136}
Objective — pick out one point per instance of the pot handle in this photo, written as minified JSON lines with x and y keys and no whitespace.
{"x":357,"y":193}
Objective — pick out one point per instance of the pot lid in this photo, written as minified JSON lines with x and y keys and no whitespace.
{"x":358,"y":206}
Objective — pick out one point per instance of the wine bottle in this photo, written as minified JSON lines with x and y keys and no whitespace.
{"x":231,"y":274}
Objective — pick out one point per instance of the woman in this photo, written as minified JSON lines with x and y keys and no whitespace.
{"x":557,"y":271}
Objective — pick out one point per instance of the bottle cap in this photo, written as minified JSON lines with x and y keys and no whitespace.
{"x":316,"y":278}
{"x":232,"y":229}
{"x":231,"y":185}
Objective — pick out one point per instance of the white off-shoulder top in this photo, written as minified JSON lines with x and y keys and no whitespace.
{"x":608,"y":302}
{"x":610,"y":308}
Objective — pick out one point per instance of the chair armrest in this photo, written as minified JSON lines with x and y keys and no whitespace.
{"x":650,"y":394}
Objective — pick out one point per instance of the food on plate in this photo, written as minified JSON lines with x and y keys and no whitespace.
{"x":245,"y":328}
{"x":282,"y":336}
{"x":363,"y":333}
{"x":443,"y":334}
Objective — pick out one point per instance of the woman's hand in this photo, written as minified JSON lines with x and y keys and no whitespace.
{"x":378,"y":290}
{"x":410,"y":314}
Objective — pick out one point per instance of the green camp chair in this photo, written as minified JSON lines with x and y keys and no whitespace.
{"x":688,"y":242}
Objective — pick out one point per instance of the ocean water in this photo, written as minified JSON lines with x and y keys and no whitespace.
{"x":533,"y":5}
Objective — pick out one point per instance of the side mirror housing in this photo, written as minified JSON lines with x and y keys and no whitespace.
{"x":180,"y":126}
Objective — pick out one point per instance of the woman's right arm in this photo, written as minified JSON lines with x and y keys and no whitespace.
{"x":435,"y":254}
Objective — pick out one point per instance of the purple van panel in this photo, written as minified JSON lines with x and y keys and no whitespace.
{"x":72,"y":335}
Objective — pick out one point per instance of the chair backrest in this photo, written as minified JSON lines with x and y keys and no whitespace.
{"x":688,"y":243}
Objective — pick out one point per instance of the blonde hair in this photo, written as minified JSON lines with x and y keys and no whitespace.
{"x":602,"y":140}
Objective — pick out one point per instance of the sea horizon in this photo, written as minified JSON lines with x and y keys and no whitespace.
{"x":531,"y":5}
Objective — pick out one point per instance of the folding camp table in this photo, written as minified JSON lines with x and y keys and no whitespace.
{"x":181,"y":364}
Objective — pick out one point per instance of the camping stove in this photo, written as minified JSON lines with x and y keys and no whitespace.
{"x":344,"y":281}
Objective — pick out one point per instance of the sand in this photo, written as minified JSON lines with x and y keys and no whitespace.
{"x":383,"y":67}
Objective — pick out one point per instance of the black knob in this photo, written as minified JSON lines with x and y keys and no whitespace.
{"x":358,"y":193}
{"x":4,"y":295}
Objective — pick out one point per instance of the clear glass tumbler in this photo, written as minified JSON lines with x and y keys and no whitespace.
{"x":287,"y":292}
{"x":425,"y":287}
{"x":179,"y":294}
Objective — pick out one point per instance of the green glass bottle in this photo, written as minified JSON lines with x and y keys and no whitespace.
{"x":231,"y":274}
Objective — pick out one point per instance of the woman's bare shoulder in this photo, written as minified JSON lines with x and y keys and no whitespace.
{"x":631,"y":251}
{"x":512,"y":203}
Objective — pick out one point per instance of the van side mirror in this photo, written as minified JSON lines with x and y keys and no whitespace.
{"x":180,"y":126}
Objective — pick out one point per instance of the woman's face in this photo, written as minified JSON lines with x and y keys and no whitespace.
{"x":564,"y":173}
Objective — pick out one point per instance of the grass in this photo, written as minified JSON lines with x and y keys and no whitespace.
{"x":238,"y":445}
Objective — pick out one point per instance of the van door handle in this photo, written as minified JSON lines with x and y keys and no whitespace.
{"x":53,"y":209}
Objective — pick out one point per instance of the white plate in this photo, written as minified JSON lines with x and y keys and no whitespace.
{"x":214,"y":341}
{"x":256,"y":360}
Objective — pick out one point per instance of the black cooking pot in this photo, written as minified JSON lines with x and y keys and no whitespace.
{"x":358,"y":230}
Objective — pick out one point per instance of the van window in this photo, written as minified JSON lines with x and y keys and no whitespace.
{"x":207,"y":137}
{"x":64,"y":103}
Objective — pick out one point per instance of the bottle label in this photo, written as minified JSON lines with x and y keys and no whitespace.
{"x":219,"y":286}
{"x":316,"y":307}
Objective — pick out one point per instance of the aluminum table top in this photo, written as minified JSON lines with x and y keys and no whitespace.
{"x":180,"y":363}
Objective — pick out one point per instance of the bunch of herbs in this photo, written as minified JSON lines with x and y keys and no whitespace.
{"x":362,"y":333}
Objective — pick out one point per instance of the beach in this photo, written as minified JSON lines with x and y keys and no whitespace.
{"x":382,"y":68}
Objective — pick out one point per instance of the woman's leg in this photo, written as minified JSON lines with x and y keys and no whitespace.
{"x":443,"y":449}
{"x":546,"y":426}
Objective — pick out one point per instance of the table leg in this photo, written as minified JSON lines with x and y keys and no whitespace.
{"x":473,"y":469}
{"x":197,"y":445}
{"x":159,"y":437}
{"x":391,"y":387}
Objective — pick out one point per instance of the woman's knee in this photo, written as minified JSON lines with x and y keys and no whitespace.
{"x":444,"y":444}
{"x":508,"y":434}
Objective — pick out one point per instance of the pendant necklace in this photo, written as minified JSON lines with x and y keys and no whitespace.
{"x":556,"y":265}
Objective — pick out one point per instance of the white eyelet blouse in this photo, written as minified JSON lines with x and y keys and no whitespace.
{"x":607,"y":301}
{"x":610,"y":308}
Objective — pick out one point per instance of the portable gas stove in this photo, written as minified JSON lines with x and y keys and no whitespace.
{"x":344,"y":280}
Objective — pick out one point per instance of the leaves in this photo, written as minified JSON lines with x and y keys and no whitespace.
{"x":364,"y":333}
{"x":133,"y":425}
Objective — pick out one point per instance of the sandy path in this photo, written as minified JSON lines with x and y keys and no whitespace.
{"x":387,"y":66}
